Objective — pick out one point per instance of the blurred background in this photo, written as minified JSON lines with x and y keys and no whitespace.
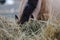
{"x":9,"y":8}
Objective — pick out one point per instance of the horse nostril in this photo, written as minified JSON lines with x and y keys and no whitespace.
{"x":32,"y":16}
{"x":16,"y":17}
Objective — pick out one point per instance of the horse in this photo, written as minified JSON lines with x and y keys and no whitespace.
{"x":2,"y":1}
{"x":36,"y":9}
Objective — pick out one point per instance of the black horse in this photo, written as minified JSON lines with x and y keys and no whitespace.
{"x":2,"y":1}
{"x":28,"y":10}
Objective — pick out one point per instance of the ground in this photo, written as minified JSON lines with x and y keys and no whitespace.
{"x":33,"y":30}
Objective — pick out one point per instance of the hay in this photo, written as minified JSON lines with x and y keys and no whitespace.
{"x":33,"y":30}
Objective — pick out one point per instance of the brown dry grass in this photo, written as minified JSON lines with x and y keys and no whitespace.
{"x":33,"y":30}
